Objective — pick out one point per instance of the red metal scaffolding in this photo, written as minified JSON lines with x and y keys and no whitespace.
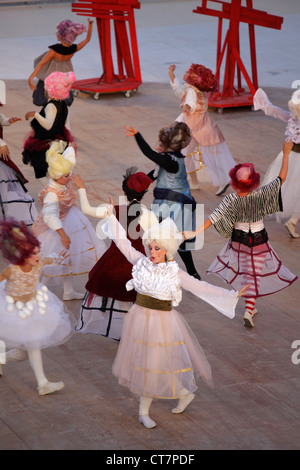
{"x":117,"y":16}
{"x":230,"y":95}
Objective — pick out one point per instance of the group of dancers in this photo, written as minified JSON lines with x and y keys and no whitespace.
{"x":134,"y":282}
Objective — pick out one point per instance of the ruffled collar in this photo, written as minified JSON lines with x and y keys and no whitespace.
{"x":156,"y":280}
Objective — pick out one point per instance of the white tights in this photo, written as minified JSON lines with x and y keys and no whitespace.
{"x":36,"y":362}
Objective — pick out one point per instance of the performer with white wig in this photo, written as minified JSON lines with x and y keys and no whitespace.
{"x":159,"y":356}
{"x":291,"y":189}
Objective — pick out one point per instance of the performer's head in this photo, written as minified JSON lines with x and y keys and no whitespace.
{"x":201,"y":78}
{"x":294,"y":104}
{"x":174,"y":138}
{"x":59,"y":84}
{"x":162,"y":240}
{"x":135,"y":184}
{"x":59,"y":166}
{"x":67,"y":31}
{"x":17,"y":243}
{"x":244,"y":178}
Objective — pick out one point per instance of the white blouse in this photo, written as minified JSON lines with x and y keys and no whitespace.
{"x":223,"y":300}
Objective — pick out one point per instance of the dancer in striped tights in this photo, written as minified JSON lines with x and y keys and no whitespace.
{"x":248,"y":257}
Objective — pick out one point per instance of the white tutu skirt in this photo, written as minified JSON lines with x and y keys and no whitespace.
{"x":85,"y":248}
{"x":102,"y":316}
{"x":15,"y":202}
{"x":290,"y":189}
{"x":159,"y":356}
{"x":217,"y":159}
{"x":41,"y":323}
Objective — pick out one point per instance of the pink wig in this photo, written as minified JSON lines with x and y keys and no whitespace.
{"x":59,"y":84}
{"x":68,"y":31}
{"x":17,"y":242}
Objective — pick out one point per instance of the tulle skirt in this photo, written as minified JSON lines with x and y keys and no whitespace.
{"x":290,"y":189}
{"x":159,"y":355}
{"x":217,"y":159}
{"x":85,"y":248}
{"x":41,"y":323}
{"x":102,"y":316}
{"x":15,"y":202}
{"x":259,"y":266}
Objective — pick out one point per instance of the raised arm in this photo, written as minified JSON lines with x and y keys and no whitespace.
{"x":99,"y":212}
{"x":261,"y":101}
{"x":88,"y":36}
{"x":162,"y":159}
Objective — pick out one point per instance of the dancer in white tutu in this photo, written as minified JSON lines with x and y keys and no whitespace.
{"x":14,"y":198}
{"x":159,"y":356}
{"x":61,"y":225}
{"x":215,"y":153}
{"x":248,"y":258}
{"x":291,"y":188}
{"x":31,"y":317}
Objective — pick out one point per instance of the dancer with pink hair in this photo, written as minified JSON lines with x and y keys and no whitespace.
{"x":248,"y":258}
{"x":50,"y":123}
{"x":58,"y":58}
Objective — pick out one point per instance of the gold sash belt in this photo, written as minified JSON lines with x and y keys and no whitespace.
{"x":152,"y":303}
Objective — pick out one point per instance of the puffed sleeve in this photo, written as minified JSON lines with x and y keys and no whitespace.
{"x":50,"y":211}
{"x":223,"y":300}
{"x":178,"y":88}
{"x":261,"y":101}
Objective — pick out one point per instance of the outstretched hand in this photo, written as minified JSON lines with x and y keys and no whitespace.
{"x":78,"y":181}
{"x":187,"y":234}
{"x":243,"y":291}
{"x":130,"y":131}
{"x":12,"y":120}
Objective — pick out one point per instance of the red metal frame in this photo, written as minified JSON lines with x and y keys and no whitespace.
{"x":120,"y":14}
{"x":229,"y":95}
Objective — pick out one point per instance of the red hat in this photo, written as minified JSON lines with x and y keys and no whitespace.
{"x":201,"y":78}
{"x":244,"y":177}
{"x":139,"y":182}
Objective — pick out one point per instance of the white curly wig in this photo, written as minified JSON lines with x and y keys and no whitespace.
{"x":166,"y":235}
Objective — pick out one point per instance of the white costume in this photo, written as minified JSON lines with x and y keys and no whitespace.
{"x":159,"y":355}
{"x":59,"y":211}
{"x":291,"y":188}
{"x":215,"y":154}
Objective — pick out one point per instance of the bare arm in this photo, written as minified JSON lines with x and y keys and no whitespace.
{"x":171,"y":72}
{"x":49,"y":56}
{"x":202,"y":228}
{"x":88,"y":36}
{"x":287,"y":147}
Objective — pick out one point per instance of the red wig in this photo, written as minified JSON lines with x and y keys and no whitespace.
{"x":201,"y":78}
{"x":16,"y":241}
{"x":244,"y":177}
